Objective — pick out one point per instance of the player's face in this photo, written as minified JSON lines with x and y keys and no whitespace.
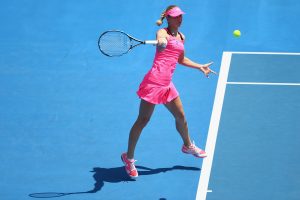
{"x":175,"y":21}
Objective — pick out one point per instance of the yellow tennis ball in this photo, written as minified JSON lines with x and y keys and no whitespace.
{"x":237,"y":33}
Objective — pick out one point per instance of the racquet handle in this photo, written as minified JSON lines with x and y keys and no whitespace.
{"x":154,"y":42}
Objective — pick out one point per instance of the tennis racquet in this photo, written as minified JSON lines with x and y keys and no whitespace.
{"x":114,"y":43}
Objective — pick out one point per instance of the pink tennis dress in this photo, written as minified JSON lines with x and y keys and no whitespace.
{"x":157,"y":86}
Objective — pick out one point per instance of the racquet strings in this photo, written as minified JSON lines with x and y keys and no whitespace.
{"x":114,"y":43}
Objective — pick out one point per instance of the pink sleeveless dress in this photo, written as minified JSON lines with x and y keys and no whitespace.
{"x":157,"y":86}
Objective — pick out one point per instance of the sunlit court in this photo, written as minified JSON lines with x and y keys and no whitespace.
{"x":80,"y":79}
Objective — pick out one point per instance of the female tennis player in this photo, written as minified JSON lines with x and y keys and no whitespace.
{"x":157,"y":87}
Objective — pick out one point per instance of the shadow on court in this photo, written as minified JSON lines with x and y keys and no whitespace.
{"x":113,"y":175}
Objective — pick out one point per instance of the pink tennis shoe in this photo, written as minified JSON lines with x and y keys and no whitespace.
{"x":129,"y":166}
{"x":133,"y":173}
{"x":194,"y":150}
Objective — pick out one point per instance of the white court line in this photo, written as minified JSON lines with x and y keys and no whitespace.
{"x":216,"y":115}
{"x":261,"y":83}
{"x":264,"y":53}
{"x":213,"y":127}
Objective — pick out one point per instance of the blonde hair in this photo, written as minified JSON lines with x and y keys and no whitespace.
{"x":163,"y":15}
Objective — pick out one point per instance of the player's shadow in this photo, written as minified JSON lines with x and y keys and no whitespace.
{"x":118,"y":174}
{"x":113,"y":175}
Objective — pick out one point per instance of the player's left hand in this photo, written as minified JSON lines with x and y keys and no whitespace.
{"x":205,"y":68}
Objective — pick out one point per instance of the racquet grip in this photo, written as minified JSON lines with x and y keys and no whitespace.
{"x":154,"y":42}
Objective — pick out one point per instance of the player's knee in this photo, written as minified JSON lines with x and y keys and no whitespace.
{"x":180,"y":117}
{"x":143,"y":121}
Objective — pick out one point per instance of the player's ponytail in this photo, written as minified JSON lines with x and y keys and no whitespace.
{"x":160,"y":20}
{"x":163,"y":15}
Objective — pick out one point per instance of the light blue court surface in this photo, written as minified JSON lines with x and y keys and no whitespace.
{"x":66,"y":110}
{"x":254,"y":130}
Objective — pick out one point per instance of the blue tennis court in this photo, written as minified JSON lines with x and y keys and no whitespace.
{"x":254,"y":130}
{"x":66,"y":110}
